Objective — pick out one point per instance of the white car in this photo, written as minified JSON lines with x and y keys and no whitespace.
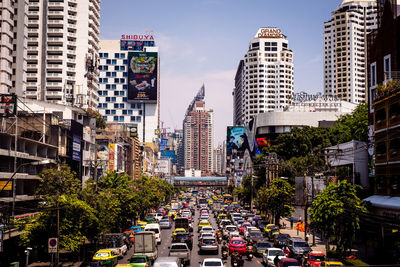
{"x":212,"y":262}
{"x":228,"y":229}
{"x":204,"y":217}
{"x":206,"y":234}
{"x":154,"y":227}
{"x":269,"y":256}
{"x":207,"y":229}
{"x":247,"y":231}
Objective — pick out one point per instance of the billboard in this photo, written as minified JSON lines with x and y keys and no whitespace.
{"x":236,"y":139}
{"x":111,"y":157}
{"x":142,"y":77}
{"x":76,"y":147}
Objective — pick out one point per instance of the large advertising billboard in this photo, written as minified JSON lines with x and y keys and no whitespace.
{"x":142,"y":77}
{"x":236,"y":139}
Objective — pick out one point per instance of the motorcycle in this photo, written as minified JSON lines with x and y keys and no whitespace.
{"x":224,"y":255}
{"x":250,"y":253}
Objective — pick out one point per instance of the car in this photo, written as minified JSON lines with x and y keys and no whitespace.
{"x":331,"y":263}
{"x":202,"y":224}
{"x":237,"y":244}
{"x":178,"y":230}
{"x":270,"y":254}
{"x":211,"y":262}
{"x":243,"y":227}
{"x":142,"y":224}
{"x":206,"y":229}
{"x":139,"y":261}
{"x":247,"y":231}
{"x":280,"y":240}
{"x":288,"y":262}
{"x":255,"y":235}
{"x":165,"y":224}
{"x":227,"y":229}
{"x":106,"y":257}
{"x":181,"y":251}
{"x":204,"y":217}
{"x":208,"y":244}
{"x":206,"y":234}
{"x":239,"y":221}
{"x":314,"y":258}
{"x":183,"y":238}
{"x":273,"y":232}
{"x":268,"y":228}
{"x":158,"y":216}
{"x":224,"y":222}
{"x":167,"y":262}
{"x":154,"y":227}
{"x":136,"y":228}
{"x":260,"y":247}
{"x":297,"y":247}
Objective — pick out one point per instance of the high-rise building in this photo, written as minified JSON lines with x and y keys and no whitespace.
{"x":13,"y":46}
{"x":219,"y":158}
{"x":198,"y":134}
{"x":63,"y":39}
{"x":116,"y":81}
{"x":345,"y":49}
{"x":265,"y":81}
{"x":238,"y":100}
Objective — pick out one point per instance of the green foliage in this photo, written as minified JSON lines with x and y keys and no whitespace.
{"x":335,"y":212}
{"x":277,"y":199}
{"x":100,"y":122}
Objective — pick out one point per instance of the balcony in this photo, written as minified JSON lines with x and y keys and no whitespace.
{"x":55,"y":30}
{"x":54,"y":75}
{"x":60,"y":4}
{"x":55,"y":48}
{"x":32,"y":56}
{"x":54,"y":12}
{"x":55,"y":57}
{"x":31,"y":74}
{"x":54,"y":93}
{"x":389,"y":88}
{"x":32,"y":84}
{"x":54,"y":84}
{"x":71,"y":52}
{"x":55,"y":40}
{"x":54,"y":66}
{"x":71,"y":17}
{"x":72,"y":34}
{"x":57,"y":22}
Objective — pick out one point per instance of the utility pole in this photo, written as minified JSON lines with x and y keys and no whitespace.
{"x":14,"y":186}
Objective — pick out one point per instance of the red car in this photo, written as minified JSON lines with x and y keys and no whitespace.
{"x":315,"y":258}
{"x":243,"y":227}
{"x":237,"y":244}
{"x":288,"y":262}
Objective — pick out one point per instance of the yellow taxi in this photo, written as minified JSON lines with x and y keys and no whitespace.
{"x":222,"y":216}
{"x":268,"y":228}
{"x":172,"y":214}
{"x":331,"y":264}
{"x":142,"y":224}
{"x":106,"y":257}
{"x":179,"y":230}
{"x":202,"y":224}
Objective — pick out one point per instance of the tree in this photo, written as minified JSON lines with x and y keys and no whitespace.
{"x":60,"y":190}
{"x":100,"y":122}
{"x":335,"y":212}
{"x":277,"y":200}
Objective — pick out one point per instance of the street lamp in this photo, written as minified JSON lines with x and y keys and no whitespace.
{"x":27,"y":252}
{"x":35,"y":163}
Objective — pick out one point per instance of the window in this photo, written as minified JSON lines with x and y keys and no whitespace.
{"x":140,"y":112}
{"x":105,"y":105}
{"x":108,"y":112}
{"x":116,"y":105}
{"x":133,"y":105}
{"x":115,"y":118}
{"x":113,"y":99}
{"x":114,"y":61}
{"x":133,"y":118}
{"x":108,"y":99}
{"x":125,"y":61}
{"x":121,"y":118}
{"x":116,"y":55}
{"x":124,"y":112}
{"x":373,"y":74}
{"x":130,"y":112}
{"x":108,"y":86}
{"x":113,"y":112}
{"x":138,"y":119}
{"x":139,"y":106}
{"x":387,"y":67}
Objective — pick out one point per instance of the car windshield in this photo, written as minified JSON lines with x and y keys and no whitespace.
{"x":208,"y":241}
{"x":102,"y":254}
{"x":182,"y":236}
{"x":155,"y":230}
{"x":237,"y":242}
{"x":231,"y":229}
{"x":256,"y":235}
{"x":317,"y":258}
{"x":283,"y":236}
{"x":164,"y":221}
{"x":212,"y":263}
{"x":178,"y":247}
{"x":300,"y":244}
{"x":273,"y":253}
{"x":137,"y":260}
{"x":264,"y":245}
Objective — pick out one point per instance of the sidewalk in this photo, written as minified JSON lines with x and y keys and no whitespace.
{"x":319,"y":244}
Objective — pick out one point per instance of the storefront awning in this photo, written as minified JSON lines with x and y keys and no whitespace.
{"x":386,"y":202}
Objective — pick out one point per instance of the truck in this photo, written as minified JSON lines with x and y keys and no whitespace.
{"x":181,"y":251}
{"x":145,"y":244}
{"x":115,"y":243}
{"x":184,"y":223}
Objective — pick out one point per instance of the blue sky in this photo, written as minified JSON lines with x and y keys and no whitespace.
{"x":202,"y":41}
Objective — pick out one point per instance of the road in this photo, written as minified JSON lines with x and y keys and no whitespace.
{"x":195,"y":257}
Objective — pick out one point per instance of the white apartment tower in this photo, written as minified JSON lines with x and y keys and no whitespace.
{"x":13,"y":46}
{"x":345,"y":38}
{"x":63,"y":39}
{"x":267,"y":82}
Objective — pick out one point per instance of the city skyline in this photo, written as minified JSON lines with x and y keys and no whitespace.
{"x":205,"y":40}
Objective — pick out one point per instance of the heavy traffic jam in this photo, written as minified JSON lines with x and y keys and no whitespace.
{"x":206,"y":228}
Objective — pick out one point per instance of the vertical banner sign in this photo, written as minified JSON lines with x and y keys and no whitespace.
{"x":111,"y":157}
{"x":163,"y":144}
{"x":1,"y":241}
{"x":53,"y":245}
{"x":76,"y":147}
{"x":142,"y":77}
{"x":6,"y":185}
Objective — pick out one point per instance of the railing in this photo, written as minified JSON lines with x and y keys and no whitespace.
{"x":200,"y":183}
{"x":391,"y":85}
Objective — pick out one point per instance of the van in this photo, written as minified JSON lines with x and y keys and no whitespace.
{"x":154,"y":227}
{"x":167,"y":262}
